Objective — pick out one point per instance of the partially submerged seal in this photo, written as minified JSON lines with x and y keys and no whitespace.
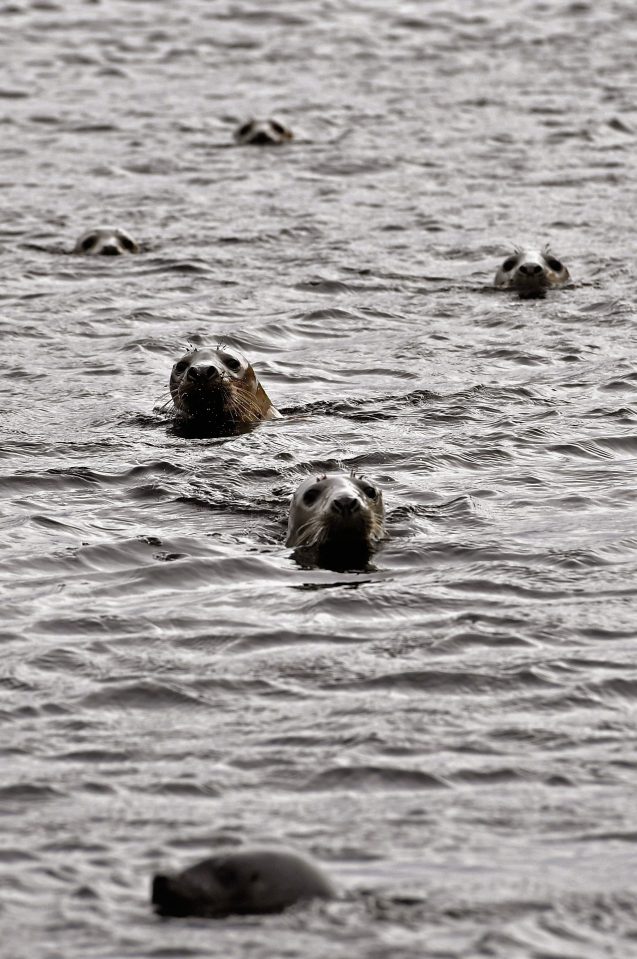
{"x":242,"y":882}
{"x":106,"y":241}
{"x":263,"y":133}
{"x":531,"y":272}
{"x":219,"y":387}
{"x":339,"y":517}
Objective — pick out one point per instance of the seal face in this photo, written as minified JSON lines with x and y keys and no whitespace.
{"x":262,"y":133}
{"x":531,"y":272}
{"x":219,"y":387}
{"x":240,"y":883}
{"x":106,"y":241}
{"x":339,"y":517}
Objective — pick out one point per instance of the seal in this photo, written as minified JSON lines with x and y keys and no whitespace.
{"x":531,"y":272}
{"x":338,"y":517}
{"x":243,"y":882}
{"x":219,"y":387}
{"x":262,"y":133}
{"x":106,"y":241}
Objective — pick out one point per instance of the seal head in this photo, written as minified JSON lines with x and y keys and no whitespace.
{"x":531,"y":272}
{"x":219,"y":387}
{"x":263,"y":133}
{"x":240,"y":883}
{"x":106,"y":241}
{"x":339,"y":518}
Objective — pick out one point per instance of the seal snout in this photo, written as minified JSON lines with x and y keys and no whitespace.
{"x":202,"y":374}
{"x":530,"y":269}
{"x":346,"y":505}
{"x":109,"y":249}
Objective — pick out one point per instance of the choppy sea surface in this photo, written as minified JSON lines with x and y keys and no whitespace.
{"x":452,"y":732}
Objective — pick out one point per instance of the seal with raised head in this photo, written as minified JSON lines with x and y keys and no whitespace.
{"x":244,"y":882}
{"x":106,"y":241}
{"x":531,"y":272}
{"x":219,"y":387}
{"x":338,"y":518}
{"x":262,"y":133}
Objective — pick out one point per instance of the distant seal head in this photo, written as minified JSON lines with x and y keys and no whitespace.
{"x":531,"y":272}
{"x":219,"y":387}
{"x":263,"y":133}
{"x":338,"y":517}
{"x":106,"y":241}
{"x":240,"y":883}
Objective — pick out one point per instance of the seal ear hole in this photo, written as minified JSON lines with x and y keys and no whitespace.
{"x":554,"y":264}
{"x":311,"y":495}
{"x":509,"y":263}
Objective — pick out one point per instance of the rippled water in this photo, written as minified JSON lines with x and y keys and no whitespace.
{"x":452,"y":733}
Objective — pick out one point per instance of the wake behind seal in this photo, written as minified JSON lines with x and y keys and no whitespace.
{"x":242,"y":882}
{"x":336,"y":520}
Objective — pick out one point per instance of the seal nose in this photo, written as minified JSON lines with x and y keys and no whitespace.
{"x":200,"y":373}
{"x":530,"y":269}
{"x":110,"y":249}
{"x":345,"y":505}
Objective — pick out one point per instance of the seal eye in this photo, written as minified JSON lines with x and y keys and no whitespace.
{"x":509,"y":263}
{"x":244,"y":129}
{"x":232,"y":363}
{"x":554,"y":264}
{"x":180,"y":367}
{"x":277,"y":127}
{"x":128,"y":244}
{"x":311,"y":495}
{"x":87,"y":244}
{"x":370,"y":492}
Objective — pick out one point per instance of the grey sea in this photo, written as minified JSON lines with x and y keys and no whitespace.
{"x":452,"y":732}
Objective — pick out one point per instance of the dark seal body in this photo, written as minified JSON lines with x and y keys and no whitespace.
{"x":106,"y":241}
{"x":531,"y":273}
{"x":219,"y":387}
{"x":263,"y":133}
{"x":245,"y":882}
{"x":337,"y":520}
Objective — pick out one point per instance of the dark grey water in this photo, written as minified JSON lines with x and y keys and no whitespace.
{"x":451,"y":734}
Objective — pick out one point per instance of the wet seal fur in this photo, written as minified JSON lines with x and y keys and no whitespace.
{"x":106,"y":241}
{"x":263,"y":133}
{"x":531,"y":272}
{"x":336,"y":520}
{"x":220,"y":388}
{"x":242,"y":882}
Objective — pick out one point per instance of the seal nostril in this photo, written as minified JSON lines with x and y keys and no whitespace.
{"x":110,"y":250}
{"x":530,"y":269}
{"x":211,"y":372}
{"x":194,"y":373}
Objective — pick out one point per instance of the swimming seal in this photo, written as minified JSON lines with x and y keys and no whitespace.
{"x":240,"y":883}
{"x":219,"y":387}
{"x":531,"y":272}
{"x":106,"y":241}
{"x":262,"y":133}
{"x":338,"y":518}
